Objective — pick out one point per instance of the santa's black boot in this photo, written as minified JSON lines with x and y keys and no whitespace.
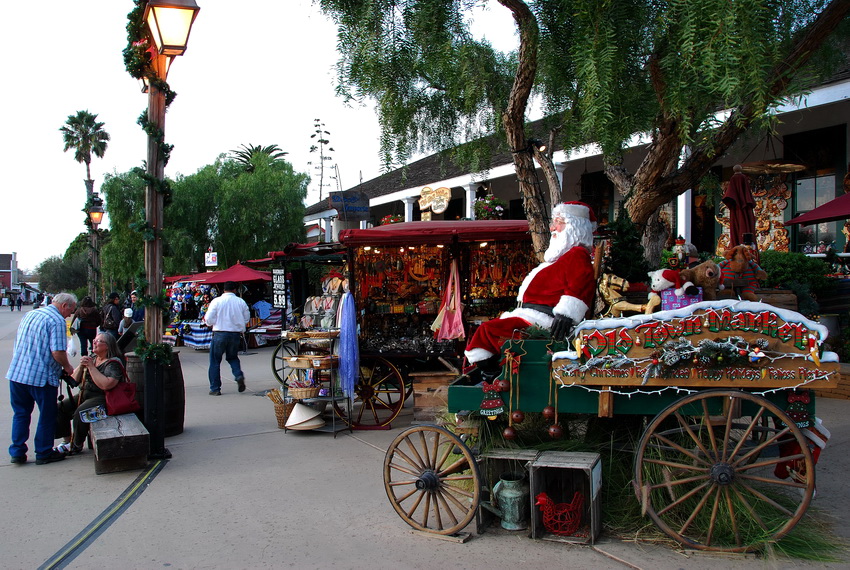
{"x":485,"y":370}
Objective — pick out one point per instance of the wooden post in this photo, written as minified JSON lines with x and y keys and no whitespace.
{"x":154,"y":396}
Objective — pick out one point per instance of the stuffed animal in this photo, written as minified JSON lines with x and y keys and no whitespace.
{"x":662,"y":279}
{"x":740,"y":272}
{"x":705,"y":275}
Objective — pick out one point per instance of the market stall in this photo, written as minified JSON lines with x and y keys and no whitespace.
{"x":398,"y":276}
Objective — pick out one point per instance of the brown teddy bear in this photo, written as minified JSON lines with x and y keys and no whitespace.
{"x":705,"y":275}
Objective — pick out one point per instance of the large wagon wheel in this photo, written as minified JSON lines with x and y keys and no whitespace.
{"x":704,"y":471}
{"x":379,"y":395}
{"x":280,"y":366}
{"x":431,"y":479}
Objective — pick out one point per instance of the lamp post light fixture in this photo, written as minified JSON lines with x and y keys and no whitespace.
{"x":169,"y":23}
{"x":95,"y":216}
{"x":96,"y":211}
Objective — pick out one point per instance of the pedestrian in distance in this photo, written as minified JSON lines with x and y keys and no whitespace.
{"x":138,"y":308}
{"x":90,"y":318}
{"x":38,"y":360}
{"x":20,"y":303}
{"x":111,"y":314}
{"x":227,"y":315}
{"x":11,"y":304}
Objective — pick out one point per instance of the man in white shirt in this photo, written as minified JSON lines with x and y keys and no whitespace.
{"x":227,"y":315}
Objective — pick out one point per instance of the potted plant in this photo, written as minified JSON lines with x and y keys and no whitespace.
{"x":488,"y":208}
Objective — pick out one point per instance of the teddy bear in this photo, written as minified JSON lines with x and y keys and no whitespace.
{"x":662,"y":279}
{"x":740,"y":272}
{"x":705,"y":275}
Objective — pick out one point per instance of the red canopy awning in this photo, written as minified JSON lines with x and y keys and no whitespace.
{"x":190,"y":278}
{"x":837,"y":209}
{"x":238,"y":273}
{"x":437,"y":232}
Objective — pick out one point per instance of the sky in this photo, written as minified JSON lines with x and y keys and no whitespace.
{"x":255,"y":72}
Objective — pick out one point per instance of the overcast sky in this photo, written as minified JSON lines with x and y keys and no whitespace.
{"x":255,"y":72}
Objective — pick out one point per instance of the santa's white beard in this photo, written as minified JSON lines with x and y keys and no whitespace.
{"x":559,"y":243}
{"x":576,"y":232}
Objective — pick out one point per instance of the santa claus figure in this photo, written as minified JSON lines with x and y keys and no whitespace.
{"x":554,"y":296}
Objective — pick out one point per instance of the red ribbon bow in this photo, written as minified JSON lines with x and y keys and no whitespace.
{"x":799,"y":397}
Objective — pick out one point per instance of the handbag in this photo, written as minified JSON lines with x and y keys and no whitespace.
{"x":121,"y":399}
{"x":75,"y":325}
{"x":449,"y":322}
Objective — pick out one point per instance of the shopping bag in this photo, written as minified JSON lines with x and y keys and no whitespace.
{"x":122,"y":399}
{"x":71,"y":349}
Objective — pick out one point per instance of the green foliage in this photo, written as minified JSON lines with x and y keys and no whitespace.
{"x":122,"y":257}
{"x":85,"y":135}
{"x":247,"y":155}
{"x":56,"y":274}
{"x":783,"y":268}
{"x":805,"y":276}
{"x":622,"y":260}
{"x":150,"y":351}
{"x":241,"y":214}
{"x":435,"y":85}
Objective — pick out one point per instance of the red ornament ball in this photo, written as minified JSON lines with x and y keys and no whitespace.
{"x":509,"y":433}
{"x":556,"y":431}
{"x":655,"y":361}
{"x":549,"y":412}
{"x":517,"y":416}
{"x":503,"y":385}
{"x":742,"y":352}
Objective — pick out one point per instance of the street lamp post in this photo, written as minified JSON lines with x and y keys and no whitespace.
{"x":169,"y":23}
{"x":95,"y":213}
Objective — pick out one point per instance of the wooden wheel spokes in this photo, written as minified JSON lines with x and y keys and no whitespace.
{"x":707,"y":471}
{"x":431,"y":479}
{"x":280,"y":366}
{"x":379,"y":395}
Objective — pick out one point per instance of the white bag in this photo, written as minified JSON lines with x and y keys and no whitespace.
{"x":72,"y":346}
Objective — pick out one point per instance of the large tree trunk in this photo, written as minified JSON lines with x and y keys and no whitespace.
{"x":513,"y":119}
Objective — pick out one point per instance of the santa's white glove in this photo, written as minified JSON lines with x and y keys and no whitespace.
{"x":562,"y":326}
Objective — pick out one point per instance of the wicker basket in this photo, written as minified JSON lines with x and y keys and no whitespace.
{"x":281,"y":412}
{"x":303,"y":393}
{"x":314,"y":362}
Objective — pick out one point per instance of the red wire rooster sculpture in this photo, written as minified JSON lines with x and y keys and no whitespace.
{"x":561,"y":518}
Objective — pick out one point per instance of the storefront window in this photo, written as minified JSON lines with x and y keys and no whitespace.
{"x":811,"y":193}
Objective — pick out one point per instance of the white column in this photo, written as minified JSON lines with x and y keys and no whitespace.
{"x":471,"y":189}
{"x":683,"y":214}
{"x":329,"y":235}
{"x":408,"y":207}
{"x":560,"y":167}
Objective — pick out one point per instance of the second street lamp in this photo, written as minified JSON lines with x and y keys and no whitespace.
{"x":169,"y":23}
{"x":95,"y":212}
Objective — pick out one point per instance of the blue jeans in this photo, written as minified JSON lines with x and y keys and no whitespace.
{"x":224,"y":344}
{"x":23,"y":398}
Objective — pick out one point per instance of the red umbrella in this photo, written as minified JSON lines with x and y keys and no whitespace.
{"x":836,"y":209}
{"x":238,"y":273}
{"x":739,"y":199}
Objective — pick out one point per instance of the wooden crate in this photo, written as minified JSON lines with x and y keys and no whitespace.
{"x":430,"y":393}
{"x":120,"y":443}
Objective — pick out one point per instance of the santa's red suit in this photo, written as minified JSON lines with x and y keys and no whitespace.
{"x":560,"y":287}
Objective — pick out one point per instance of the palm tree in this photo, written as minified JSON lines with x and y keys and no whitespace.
{"x":246,"y":154}
{"x":84,"y":133}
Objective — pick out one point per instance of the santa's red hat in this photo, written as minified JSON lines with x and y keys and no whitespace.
{"x":566,"y":210}
{"x":673,"y":277}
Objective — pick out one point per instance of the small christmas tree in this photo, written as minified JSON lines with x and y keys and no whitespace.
{"x":624,"y":259}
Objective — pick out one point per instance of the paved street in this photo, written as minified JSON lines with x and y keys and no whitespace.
{"x":240,"y":493}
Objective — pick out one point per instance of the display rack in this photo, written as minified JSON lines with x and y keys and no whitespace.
{"x":315,"y":358}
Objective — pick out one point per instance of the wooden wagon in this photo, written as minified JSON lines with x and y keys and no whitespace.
{"x":723,"y":390}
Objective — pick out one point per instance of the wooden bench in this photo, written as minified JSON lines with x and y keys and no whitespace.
{"x":120,"y":443}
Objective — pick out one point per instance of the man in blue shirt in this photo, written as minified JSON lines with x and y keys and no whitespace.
{"x":138,"y":308}
{"x":227,"y":315}
{"x":38,"y":359}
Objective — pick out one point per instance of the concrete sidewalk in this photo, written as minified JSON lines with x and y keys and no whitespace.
{"x":241,"y":493}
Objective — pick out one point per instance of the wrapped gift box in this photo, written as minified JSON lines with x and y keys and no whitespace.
{"x":670,"y":301}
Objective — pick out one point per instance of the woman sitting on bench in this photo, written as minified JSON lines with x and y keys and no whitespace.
{"x":96,"y":374}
